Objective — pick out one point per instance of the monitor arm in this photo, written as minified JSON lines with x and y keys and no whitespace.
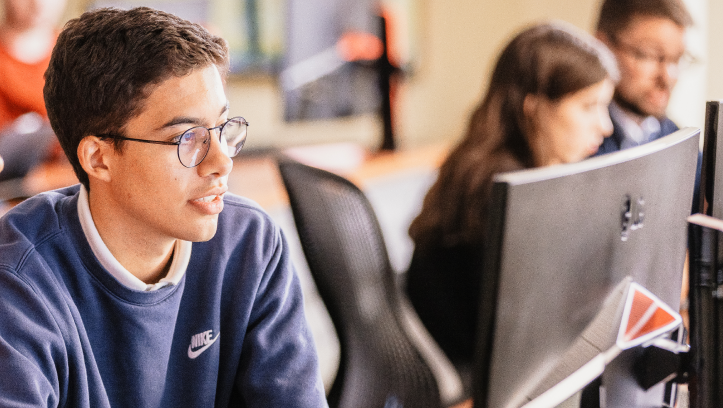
{"x":663,"y":360}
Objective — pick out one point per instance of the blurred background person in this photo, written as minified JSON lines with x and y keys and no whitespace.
{"x":648,"y":40}
{"x":547,"y":103}
{"x":27,"y":35}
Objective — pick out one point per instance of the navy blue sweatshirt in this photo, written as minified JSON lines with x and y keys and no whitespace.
{"x":231,"y":333}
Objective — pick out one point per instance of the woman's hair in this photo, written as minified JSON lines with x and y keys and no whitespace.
{"x":550,"y":60}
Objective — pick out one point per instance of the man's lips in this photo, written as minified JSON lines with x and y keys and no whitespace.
{"x":211,"y":202}
{"x":659,"y":97}
{"x":211,"y":192}
{"x":208,"y":198}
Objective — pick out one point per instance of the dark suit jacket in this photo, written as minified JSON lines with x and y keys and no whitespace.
{"x":613,"y":142}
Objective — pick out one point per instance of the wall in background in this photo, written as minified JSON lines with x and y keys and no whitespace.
{"x":714,"y":86}
{"x":687,"y":103}
{"x":461,"y":44}
{"x":458,"y":47}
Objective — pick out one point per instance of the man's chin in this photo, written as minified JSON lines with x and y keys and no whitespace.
{"x":644,"y":108}
{"x":657,"y":112}
{"x":656,"y":103}
{"x":201,"y":233}
{"x":657,"y":107}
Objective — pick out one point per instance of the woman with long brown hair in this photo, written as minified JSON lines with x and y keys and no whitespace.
{"x":547,"y":103}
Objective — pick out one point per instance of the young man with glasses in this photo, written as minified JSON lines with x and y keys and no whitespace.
{"x":148,"y":285}
{"x":647,"y":38}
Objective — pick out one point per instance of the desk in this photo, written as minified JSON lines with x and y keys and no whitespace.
{"x":255,"y":175}
{"x":465,"y":404}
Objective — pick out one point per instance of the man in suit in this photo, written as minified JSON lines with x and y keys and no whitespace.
{"x":647,"y":38}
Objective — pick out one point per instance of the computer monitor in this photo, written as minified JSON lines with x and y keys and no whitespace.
{"x":706,"y":258}
{"x":711,"y":185}
{"x":564,"y":243}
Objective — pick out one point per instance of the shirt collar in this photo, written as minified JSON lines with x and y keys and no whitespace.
{"x":181,"y":253}
{"x":634,"y":134}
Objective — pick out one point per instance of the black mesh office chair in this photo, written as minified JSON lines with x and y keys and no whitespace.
{"x":341,"y":238}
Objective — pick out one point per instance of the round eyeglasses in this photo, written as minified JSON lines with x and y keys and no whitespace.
{"x":193,"y":144}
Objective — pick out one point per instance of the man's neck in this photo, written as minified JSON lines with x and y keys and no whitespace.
{"x":634,"y":130}
{"x":630,"y":110}
{"x":146,"y":257}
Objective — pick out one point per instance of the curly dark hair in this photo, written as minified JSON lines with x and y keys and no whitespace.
{"x":106,"y":62}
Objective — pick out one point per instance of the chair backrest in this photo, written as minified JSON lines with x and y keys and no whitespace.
{"x":345,"y":250}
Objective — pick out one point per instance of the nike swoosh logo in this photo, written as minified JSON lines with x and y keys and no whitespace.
{"x":193,"y":354}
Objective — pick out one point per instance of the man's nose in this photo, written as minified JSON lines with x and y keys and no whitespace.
{"x":217,"y":159}
{"x":668,"y":72}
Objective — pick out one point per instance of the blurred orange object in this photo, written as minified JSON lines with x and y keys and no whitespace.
{"x":21,"y":90}
{"x":359,"y":46}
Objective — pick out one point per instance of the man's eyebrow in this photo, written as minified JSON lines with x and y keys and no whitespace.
{"x":182,"y":120}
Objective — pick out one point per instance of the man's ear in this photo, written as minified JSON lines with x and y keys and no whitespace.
{"x":94,"y":156}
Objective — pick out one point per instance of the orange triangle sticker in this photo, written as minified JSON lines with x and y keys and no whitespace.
{"x":645,"y":317}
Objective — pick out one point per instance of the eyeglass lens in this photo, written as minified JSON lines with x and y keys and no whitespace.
{"x":195,"y":142}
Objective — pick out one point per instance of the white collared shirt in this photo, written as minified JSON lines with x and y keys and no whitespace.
{"x":181,"y":253}
{"x":635,"y":134}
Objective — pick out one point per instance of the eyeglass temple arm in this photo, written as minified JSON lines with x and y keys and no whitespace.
{"x":160,"y":142}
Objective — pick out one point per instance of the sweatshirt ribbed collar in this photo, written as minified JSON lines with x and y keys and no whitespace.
{"x":181,"y":253}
